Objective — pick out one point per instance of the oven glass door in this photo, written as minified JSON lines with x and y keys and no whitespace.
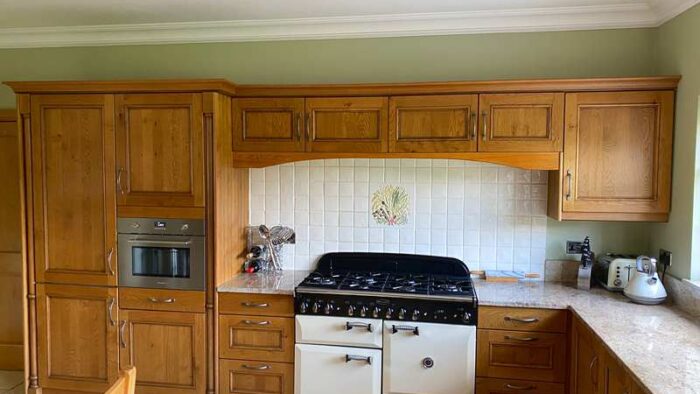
{"x":161,"y":261}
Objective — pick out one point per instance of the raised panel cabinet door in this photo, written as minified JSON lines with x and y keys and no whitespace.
{"x":347,"y":124}
{"x":167,"y":348}
{"x":521,"y":122}
{"x":617,"y":155}
{"x":160,"y":150}
{"x":78,"y":345}
{"x":72,"y":189}
{"x":252,"y":377}
{"x":268,"y":125}
{"x":616,"y":379}
{"x":585,"y":376}
{"x":433,"y":123}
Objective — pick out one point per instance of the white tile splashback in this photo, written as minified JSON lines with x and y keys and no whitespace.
{"x":492,"y":217}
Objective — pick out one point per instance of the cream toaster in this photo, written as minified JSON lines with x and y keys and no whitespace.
{"x":614,"y":271}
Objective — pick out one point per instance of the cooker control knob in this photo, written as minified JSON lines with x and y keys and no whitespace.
{"x":315,"y":307}
{"x":375,"y":312}
{"x":466,"y":317}
{"x":389,"y":311}
{"x":363,"y":311}
{"x":351,"y":310}
{"x":327,"y":309}
{"x":303,"y":307}
{"x":416,"y":315}
{"x":617,"y":282}
{"x":402,"y":314}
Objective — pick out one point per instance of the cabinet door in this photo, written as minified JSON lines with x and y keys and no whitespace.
{"x":506,"y":386}
{"x":72,"y":189}
{"x":268,"y":125}
{"x":433,"y":123}
{"x":258,"y":338}
{"x":347,"y":124}
{"x":160,"y":150}
{"x":585,"y":362}
{"x":521,"y":122}
{"x":251,"y":377}
{"x":615,"y":378}
{"x":167,"y":349}
{"x":617,"y":156}
{"x":77,"y":330}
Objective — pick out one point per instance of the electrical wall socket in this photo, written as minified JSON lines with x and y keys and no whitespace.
{"x":573,"y":247}
{"x":665,"y":257}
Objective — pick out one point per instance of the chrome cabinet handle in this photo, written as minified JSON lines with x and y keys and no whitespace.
{"x":484,"y":117}
{"x":298,"y":127}
{"x":350,"y":325}
{"x":109,"y":261}
{"x":395,"y":329}
{"x":593,"y":376}
{"x":569,"y":175}
{"x":521,"y":339}
{"x":255,"y":305}
{"x":161,"y":300}
{"x":110,"y":308}
{"x":119,"y":180}
{"x":122,"y":325}
{"x":308,"y":126}
{"x":256,"y":323}
{"x":522,"y":319}
{"x":515,"y":387}
{"x":261,"y":367}
{"x":475,"y":120}
{"x":354,"y":357}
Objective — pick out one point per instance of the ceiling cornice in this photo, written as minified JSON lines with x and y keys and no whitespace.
{"x":426,"y":24}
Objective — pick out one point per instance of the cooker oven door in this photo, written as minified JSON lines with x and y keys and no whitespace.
{"x":429,"y":358}
{"x":321,"y":369}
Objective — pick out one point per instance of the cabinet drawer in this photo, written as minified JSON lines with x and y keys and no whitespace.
{"x":256,"y":338}
{"x":523,"y":319}
{"x":256,"y":304}
{"x":161,"y":300}
{"x":520,"y":355}
{"x":503,"y":386}
{"x":248,"y":377}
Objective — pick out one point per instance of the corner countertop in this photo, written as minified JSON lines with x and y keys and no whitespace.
{"x":660,"y":345}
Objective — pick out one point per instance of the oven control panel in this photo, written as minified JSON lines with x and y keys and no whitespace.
{"x":407,"y":309}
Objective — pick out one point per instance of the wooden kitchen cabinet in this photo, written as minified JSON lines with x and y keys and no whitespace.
{"x":617,"y":157}
{"x":586,"y":360}
{"x":521,"y":122}
{"x":433,"y":123}
{"x":268,"y":125}
{"x":167,"y":348}
{"x":505,"y":386}
{"x":261,"y":338}
{"x":347,"y":124}
{"x":160,"y":150}
{"x":245,"y":377}
{"x":77,"y":330}
{"x":72,"y":185}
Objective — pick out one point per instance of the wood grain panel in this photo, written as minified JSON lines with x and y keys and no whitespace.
{"x":167,"y":349}
{"x":521,"y":355}
{"x":11,"y":322}
{"x":349,"y":124}
{"x":523,"y":319}
{"x":260,"y":338}
{"x":268,"y":125}
{"x":161,"y":300}
{"x":256,"y":304}
{"x":73,"y":193}
{"x":160,"y":150}
{"x":505,"y":386}
{"x":250,"y":377}
{"x":78,"y":340}
{"x":433,"y":123}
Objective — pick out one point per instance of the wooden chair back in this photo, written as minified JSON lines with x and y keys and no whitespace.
{"x":126,"y":384}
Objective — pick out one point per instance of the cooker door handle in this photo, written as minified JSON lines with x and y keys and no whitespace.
{"x":354,"y":357}
{"x":161,"y":242}
{"x":352,"y":324}
{"x":395,"y":329}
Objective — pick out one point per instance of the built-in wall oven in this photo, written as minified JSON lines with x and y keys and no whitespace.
{"x":162,"y":253}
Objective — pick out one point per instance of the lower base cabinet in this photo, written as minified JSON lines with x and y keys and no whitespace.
{"x":168,"y":350}
{"x":503,"y":386}
{"x":250,"y":377}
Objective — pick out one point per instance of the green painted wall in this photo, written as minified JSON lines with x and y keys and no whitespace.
{"x":678,"y":52}
{"x":611,"y":53}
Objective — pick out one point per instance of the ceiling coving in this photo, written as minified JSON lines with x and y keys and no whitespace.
{"x":51,"y":23}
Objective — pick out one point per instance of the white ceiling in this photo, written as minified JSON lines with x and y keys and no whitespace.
{"x":37,"y":23}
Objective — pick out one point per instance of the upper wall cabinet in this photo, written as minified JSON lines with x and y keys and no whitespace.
{"x":521,"y":122}
{"x":72,"y":184}
{"x":617,"y":157}
{"x":433,"y":123}
{"x":268,"y":125}
{"x":347,"y":124}
{"x":160,"y":150}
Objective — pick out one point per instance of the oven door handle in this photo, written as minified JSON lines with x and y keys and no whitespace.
{"x":352,"y":324}
{"x":161,"y":242}
{"x":395,"y":329}
{"x":354,"y":357}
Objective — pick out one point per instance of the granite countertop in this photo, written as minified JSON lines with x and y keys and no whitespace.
{"x":659,"y":344}
{"x":264,"y":283}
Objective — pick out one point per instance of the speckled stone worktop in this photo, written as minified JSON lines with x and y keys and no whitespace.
{"x":660,"y":345}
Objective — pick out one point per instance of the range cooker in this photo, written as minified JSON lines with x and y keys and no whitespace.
{"x":387,"y":323}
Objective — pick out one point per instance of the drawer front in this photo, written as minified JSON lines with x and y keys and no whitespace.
{"x":523,"y":319}
{"x":256,"y":338}
{"x":256,"y":304}
{"x":323,"y":369}
{"x":504,"y":386}
{"x":521,"y":355}
{"x":248,"y":377}
{"x":339,"y":331}
{"x":162,"y":300}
